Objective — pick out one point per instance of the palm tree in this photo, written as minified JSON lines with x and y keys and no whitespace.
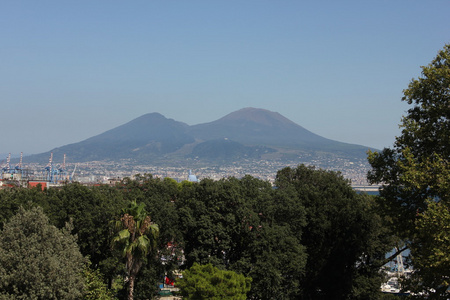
{"x":136,"y":238}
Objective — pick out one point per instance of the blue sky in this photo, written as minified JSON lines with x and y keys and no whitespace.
{"x":70,"y":70}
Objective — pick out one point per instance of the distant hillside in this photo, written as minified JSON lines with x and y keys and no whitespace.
{"x":249,"y":133}
{"x":262,"y":127}
{"x":226,"y":150}
{"x":257,"y":126}
{"x":144,"y":138}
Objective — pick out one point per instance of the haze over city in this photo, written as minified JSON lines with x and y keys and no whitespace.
{"x":72,"y":70}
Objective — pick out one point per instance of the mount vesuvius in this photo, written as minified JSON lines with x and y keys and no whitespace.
{"x":249,"y":133}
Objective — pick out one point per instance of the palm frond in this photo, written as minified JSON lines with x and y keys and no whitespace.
{"x":144,"y":245}
{"x":122,"y":235}
{"x":137,"y":237}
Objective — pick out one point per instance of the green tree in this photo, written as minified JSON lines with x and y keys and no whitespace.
{"x":38,"y":261}
{"x":415,"y":173}
{"x":135,"y":240}
{"x":432,"y":254}
{"x":208,"y":282}
{"x":275,"y":260}
{"x":95,"y":288}
{"x":12,"y":199}
{"x":160,"y":197}
{"x":343,"y":235}
{"x":243,"y":226}
{"x":91,"y":210}
{"x":271,"y":250}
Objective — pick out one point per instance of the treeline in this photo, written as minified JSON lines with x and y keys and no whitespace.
{"x":309,"y":237}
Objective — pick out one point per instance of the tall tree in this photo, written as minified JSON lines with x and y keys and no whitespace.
{"x":342,"y":235}
{"x":135,"y":240}
{"x":415,"y":173}
{"x":37,"y":260}
{"x":239,"y":225}
{"x":160,"y":197}
{"x":95,"y":287}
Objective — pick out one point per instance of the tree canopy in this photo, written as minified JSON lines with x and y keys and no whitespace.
{"x":344,"y":237}
{"x":233,"y":223}
{"x":415,"y":174}
{"x":208,"y":282}
{"x":309,"y":237}
{"x":37,"y":260}
{"x":136,"y":238}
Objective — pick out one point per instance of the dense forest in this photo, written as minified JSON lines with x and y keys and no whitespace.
{"x":309,"y":237}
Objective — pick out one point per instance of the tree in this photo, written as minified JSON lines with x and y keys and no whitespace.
{"x":91,"y":209}
{"x":160,"y":197}
{"x":415,"y":173}
{"x":343,"y":235}
{"x":38,"y":261}
{"x":135,"y":240}
{"x":208,"y":282}
{"x":272,"y":253}
{"x":275,"y":260}
{"x":95,"y":288}
{"x":243,"y":226}
{"x":431,"y":255}
{"x":12,"y":199}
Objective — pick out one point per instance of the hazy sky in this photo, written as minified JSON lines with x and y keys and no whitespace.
{"x":70,"y":70}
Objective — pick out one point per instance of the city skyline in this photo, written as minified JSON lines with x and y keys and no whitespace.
{"x":71,"y":71}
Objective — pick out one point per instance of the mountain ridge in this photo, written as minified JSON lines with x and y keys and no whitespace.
{"x":251,"y":132}
{"x":260,"y":126}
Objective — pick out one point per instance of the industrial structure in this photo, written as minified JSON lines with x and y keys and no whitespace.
{"x":19,"y":176}
{"x":14,"y":176}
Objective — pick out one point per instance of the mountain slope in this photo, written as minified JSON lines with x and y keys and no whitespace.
{"x":261,"y":127}
{"x":247,"y":133}
{"x":143,"y":138}
{"x":227,"y":150}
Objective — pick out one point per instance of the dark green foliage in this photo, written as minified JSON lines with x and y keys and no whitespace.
{"x":12,"y":199}
{"x":91,"y":211}
{"x":232,"y":223}
{"x":209,"y":220}
{"x":95,"y":287}
{"x":160,"y":197}
{"x":149,"y":277}
{"x":135,"y":240}
{"x":276,"y":263}
{"x":311,"y":237}
{"x":208,"y":282}
{"x":38,"y":261}
{"x":341,"y":235}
